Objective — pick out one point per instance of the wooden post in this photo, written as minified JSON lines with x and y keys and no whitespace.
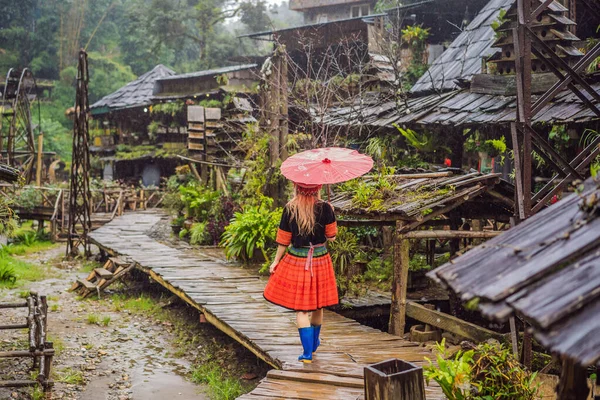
{"x":394,"y":380}
{"x":573,"y":381}
{"x":399,"y":283}
{"x":38,"y":170}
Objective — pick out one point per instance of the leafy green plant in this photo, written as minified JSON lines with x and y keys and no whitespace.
{"x":343,"y":250}
{"x":198,"y":200}
{"x":488,"y":372}
{"x":425,"y":142}
{"x":198,"y":233}
{"x":452,"y":374}
{"x":254,"y":228}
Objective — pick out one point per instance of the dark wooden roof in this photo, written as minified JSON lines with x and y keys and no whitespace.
{"x":547,"y":269}
{"x":456,"y":108}
{"x":415,"y":196}
{"x":135,"y":94}
{"x":463,"y":58}
{"x":8,"y":173}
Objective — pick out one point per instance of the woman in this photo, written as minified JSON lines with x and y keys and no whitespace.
{"x":302,"y":278}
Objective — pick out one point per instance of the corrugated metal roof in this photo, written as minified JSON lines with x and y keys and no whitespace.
{"x":210,"y":72}
{"x":463,"y":58}
{"x":135,"y":94}
{"x":546,"y":269}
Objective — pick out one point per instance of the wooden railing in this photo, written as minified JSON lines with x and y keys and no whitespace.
{"x":51,"y":204}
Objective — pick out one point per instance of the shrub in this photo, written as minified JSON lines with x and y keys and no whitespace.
{"x":198,"y":234}
{"x":198,"y":200}
{"x":253,"y":229}
{"x":343,"y":250}
{"x":487,"y":372}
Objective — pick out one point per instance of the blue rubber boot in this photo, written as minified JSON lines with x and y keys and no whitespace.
{"x":316,"y":341}
{"x":307,"y":339}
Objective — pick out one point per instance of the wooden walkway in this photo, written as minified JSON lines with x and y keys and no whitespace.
{"x":231,"y":299}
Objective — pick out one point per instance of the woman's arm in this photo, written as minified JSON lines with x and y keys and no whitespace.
{"x":278,"y":256}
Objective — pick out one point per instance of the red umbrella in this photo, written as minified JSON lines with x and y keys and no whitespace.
{"x":326,"y":166}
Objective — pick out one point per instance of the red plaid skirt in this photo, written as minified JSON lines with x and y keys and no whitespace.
{"x":292,"y":286}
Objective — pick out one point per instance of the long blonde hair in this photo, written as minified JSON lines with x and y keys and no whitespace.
{"x":302,"y":209}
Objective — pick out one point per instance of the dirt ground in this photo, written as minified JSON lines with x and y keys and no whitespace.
{"x":135,"y":356}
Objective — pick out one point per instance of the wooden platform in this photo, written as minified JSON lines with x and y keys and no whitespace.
{"x":231,"y":299}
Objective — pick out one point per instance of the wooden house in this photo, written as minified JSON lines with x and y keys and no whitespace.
{"x":319,"y":11}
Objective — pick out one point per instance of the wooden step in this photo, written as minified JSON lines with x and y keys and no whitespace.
{"x":103,"y":273}
{"x":118,"y":261}
{"x":87,"y":284}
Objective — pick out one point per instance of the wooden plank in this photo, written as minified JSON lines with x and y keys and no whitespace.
{"x":316,"y":377}
{"x":87,"y":284}
{"x":451,"y":324}
{"x":226,"y":295}
{"x":103,"y":273}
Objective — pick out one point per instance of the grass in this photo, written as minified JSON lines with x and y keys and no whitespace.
{"x":92,"y":319}
{"x":54,"y":307}
{"x":219,"y":386}
{"x":22,"y":270}
{"x":57,"y":343}
{"x":70,"y":376}
{"x":105,"y":321}
{"x":142,"y":304}
{"x":22,"y":249}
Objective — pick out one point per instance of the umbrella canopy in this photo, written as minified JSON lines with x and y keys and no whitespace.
{"x":326,"y":166}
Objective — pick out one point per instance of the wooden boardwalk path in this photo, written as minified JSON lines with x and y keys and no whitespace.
{"x":231,"y":299}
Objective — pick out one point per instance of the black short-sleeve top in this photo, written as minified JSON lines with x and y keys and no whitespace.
{"x":325,"y":227}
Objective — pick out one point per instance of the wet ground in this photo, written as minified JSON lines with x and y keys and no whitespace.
{"x":133,"y":357}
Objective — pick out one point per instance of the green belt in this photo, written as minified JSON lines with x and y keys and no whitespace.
{"x":303,"y":251}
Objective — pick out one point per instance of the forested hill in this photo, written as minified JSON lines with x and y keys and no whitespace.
{"x":124,"y":39}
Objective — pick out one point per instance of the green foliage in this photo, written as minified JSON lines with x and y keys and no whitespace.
{"x":259,"y":172}
{"x":71,"y":376}
{"x":493,"y":147}
{"x":425,"y":142}
{"x":418,"y":262}
{"x":452,"y":374}
{"x":490,"y":371}
{"x":380,"y":270}
{"x":198,"y":200}
{"x":343,"y":250}
{"x":498,"y":22}
{"x":198,"y":233}
{"x":171,"y":108}
{"x":415,"y":35}
{"x":131,"y":152}
{"x":254,"y":228}
{"x":7,"y":275}
{"x":220,"y":386}
{"x":498,"y":375}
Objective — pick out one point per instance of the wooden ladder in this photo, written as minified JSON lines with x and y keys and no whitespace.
{"x":100,"y":278}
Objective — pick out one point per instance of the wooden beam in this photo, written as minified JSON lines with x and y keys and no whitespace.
{"x":442,"y":234}
{"x":416,"y":176}
{"x":451,"y":324}
{"x":399,"y":282}
{"x":365,"y":222}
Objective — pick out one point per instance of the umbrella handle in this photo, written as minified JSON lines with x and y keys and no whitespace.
{"x":329,"y":193}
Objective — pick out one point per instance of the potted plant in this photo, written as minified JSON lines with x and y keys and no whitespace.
{"x":177,"y":224}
